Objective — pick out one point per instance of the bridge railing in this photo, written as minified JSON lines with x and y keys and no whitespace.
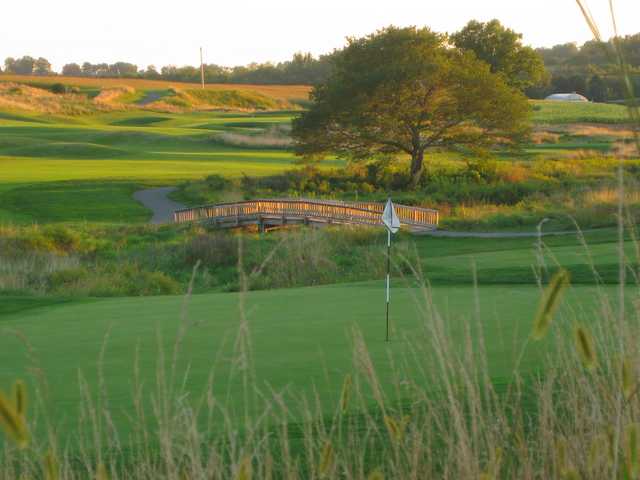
{"x":367,"y":213}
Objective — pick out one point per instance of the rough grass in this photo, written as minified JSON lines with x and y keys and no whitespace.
{"x":283,"y":92}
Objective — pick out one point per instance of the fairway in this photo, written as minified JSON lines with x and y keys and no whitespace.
{"x":40,"y":154}
{"x":317,"y":323}
{"x":118,"y":152}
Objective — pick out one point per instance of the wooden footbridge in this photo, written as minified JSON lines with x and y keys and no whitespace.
{"x":276,"y":212}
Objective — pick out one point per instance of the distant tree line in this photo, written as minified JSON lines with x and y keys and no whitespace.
{"x":28,"y":66}
{"x":303,"y":68}
{"x":590,"y":69}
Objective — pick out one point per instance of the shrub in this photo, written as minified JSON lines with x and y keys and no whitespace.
{"x":212,"y":249}
{"x":63,"y":238}
{"x":65,"y":279}
{"x":58,"y":88}
{"x":156,"y":283}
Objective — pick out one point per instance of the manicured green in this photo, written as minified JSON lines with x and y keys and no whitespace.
{"x":300,"y":338}
{"x":124,"y":151}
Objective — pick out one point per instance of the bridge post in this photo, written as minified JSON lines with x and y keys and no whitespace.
{"x":260,"y":224}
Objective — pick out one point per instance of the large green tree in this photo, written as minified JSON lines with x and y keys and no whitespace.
{"x":404,"y":91}
{"x":502,"y":49}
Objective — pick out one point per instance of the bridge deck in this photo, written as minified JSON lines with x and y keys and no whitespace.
{"x":284,"y":211}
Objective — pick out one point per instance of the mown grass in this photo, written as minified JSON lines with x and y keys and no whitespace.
{"x":547,"y":111}
{"x":313,"y":322}
{"x":149,"y":148}
{"x":40,"y":154}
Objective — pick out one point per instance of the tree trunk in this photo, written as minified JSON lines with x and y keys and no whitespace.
{"x":417,"y":160}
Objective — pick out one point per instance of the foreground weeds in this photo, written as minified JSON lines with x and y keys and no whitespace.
{"x":103,"y":261}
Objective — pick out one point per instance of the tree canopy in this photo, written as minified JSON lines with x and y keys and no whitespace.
{"x":404,"y":91}
{"x":502,"y":49}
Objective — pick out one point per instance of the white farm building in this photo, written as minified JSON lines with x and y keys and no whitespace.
{"x":567,"y":97}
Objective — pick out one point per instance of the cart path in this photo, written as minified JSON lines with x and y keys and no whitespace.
{"x":157,"y":200}
{"x":450,"y":234}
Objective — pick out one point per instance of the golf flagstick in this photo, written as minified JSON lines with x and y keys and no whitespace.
{"x":388,"y":277}
{"x":392,"y":222}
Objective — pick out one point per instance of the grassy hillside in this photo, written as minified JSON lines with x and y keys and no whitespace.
{"x":290,"y":93}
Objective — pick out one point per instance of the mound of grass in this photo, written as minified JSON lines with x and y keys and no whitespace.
{"x":20,"y":118}
{"x":139,"y":121}
{"x":282,"y":92}
{"x":64,"y":150}
{"x":75,"y":202}
{"x":224,"y":99}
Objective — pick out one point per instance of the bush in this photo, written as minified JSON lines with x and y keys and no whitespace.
{"x":154,"y":283}
{"x":212,"y":249}
{"x":58,"y":88}
{"x":65,"y":279}
{"x":63,"y":238}
{"x":61,"y":88}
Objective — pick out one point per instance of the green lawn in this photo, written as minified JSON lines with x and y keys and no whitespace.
{"x":546,"y":111}
{"x":126,"y":150}
{"x":97,"y":161}
{"x":314,"y":324}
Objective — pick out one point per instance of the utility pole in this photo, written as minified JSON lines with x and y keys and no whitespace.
{"x":201,"y":68}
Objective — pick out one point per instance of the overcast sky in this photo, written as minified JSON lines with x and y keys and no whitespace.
{"x":238,"y":32}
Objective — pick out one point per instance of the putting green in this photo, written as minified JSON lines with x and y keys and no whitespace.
{"x":301,"y":339}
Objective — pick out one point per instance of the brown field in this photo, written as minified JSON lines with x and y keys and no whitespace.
{"x":283,"y":92}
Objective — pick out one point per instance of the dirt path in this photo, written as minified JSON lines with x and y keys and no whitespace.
{"x":156,"y":200}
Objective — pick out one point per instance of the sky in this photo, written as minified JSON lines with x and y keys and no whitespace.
{"x":239,"y":32}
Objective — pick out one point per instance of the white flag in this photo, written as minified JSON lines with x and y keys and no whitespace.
{"x":389,"y":217}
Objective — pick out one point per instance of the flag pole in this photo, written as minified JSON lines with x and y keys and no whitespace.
{"x":388,"y":277}
{"x":392,"y":222}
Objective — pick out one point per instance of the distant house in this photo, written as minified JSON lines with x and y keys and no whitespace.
{"x":567,"y":97}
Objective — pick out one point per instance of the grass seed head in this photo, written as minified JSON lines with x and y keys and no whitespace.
{"x":244,"y":469}
{"x":549,"y":303}
{"x":13,"y":424}
{"x":101,"y":472}
{"x":585,"y":347}
{"x":571,"y":474}
{"x":326,"y":460}
{"x":346,"y":393}
{"x":632,"y":449}
{"x":51,"y":468}
{"x":561,"y":455}
{"x":375,"y":475}
{"x":611,"y":445}
{"x":596,"y":451}
{"x":19,"y":394}
{"x":396,"y":429}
